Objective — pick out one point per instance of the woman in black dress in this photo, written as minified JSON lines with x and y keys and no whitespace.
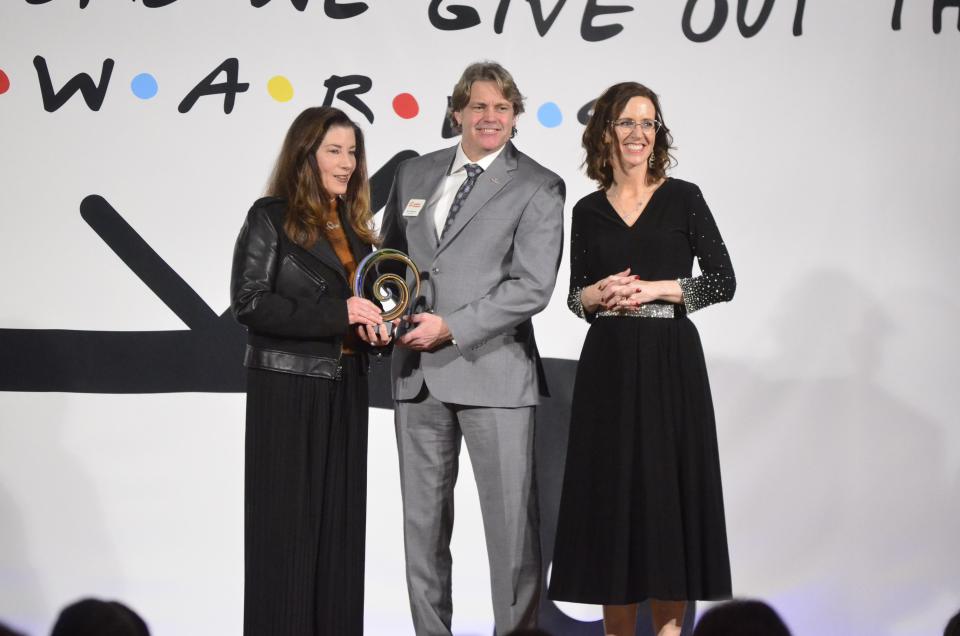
{"x":641,"y":514}
{"x":306,"y":434}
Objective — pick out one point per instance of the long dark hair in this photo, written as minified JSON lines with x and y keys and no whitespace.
{"x":598,"y":136}
{"x":296,"y":178}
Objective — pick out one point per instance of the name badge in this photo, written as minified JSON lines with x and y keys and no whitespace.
{"x":413,"y":207}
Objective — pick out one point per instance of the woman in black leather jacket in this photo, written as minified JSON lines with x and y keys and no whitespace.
{"x":306,"y":435}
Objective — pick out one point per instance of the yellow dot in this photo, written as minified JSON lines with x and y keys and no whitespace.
{"x":280,"y":88}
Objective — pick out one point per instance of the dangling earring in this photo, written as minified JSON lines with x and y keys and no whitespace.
{"x":650,"y":162}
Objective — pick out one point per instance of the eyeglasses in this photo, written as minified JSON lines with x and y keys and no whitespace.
{"x":646,"y":125}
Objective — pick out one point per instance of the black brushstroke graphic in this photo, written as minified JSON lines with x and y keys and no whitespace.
{"x":330,"y":7}
{"x":229,"y":88}
{"x":721,"y":8}
{"x":360,"y":84}
{"x":591,"y":32}
{"x":203,"y":357}
{"x":93,"y":92}
{"x":541,"y":22}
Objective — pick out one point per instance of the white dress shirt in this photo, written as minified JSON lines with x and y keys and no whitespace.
{"x":449,"y":186}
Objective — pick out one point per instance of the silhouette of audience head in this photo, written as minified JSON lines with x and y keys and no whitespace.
{"x":741,"y":618}
{"x":953,"y":627}
{"x":93,"y":617}
{"x":6,"y":631}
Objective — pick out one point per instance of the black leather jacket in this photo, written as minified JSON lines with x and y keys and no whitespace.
{"x":292,"y":300}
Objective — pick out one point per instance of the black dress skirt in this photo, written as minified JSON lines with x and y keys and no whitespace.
{"x":641,"y":513}
{"x":306,"y":474}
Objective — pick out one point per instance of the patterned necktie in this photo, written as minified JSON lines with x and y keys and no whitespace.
{"x":473,"y":171}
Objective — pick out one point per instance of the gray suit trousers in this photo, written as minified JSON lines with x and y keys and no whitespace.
{"x":500,"y":443}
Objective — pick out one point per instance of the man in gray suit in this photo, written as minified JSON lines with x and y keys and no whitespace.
{"x":484,"y":223}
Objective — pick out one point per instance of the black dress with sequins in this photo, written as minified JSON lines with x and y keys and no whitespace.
{"x":641,"y":514}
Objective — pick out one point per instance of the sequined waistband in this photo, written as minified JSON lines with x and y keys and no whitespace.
{"x":650,"y":310}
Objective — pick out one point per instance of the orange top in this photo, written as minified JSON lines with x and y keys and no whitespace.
{"x":341,"y":246}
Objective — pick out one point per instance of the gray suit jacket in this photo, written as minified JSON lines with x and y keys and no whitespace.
{"x":494,"y":269}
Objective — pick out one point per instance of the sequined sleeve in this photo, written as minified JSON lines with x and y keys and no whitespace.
{"x":579,"y":270}
{"x":716,"y":282}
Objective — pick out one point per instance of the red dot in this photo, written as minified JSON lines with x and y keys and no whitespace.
{"x":406,"y":105}
{"x":4,"y":82}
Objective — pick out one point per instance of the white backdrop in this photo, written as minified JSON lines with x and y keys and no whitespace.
{"x":830,"y":160}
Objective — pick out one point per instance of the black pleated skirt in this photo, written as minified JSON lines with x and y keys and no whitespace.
{"x":305,"y":512}
{"x":641,"y":513}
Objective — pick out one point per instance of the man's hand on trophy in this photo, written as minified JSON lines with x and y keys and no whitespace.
{"x":429,"y":331}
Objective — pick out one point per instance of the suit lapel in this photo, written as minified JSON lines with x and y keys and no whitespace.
{"x":424,"y":185}
{"x":488,"y":184}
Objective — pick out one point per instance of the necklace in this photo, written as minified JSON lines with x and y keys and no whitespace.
{"x":628,"y":213}
{"x":332,"y":225}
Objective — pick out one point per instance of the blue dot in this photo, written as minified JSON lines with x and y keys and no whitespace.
{"x":144,"y":86}
{"x":549,"y":115}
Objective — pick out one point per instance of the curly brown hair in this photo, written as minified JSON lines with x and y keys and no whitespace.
{"x":296,"y":178}
{"x":598,"y":136}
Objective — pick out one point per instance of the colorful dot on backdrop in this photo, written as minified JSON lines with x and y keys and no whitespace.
{"x":4,"y":82}
{"x":280,"y":88}
{"x":405,"y":105}
{"x":549,"y":115}
{"x":144,"y":86}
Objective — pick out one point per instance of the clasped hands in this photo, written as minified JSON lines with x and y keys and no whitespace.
{"x":622,"y":291}
{"x":429,"y":331}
